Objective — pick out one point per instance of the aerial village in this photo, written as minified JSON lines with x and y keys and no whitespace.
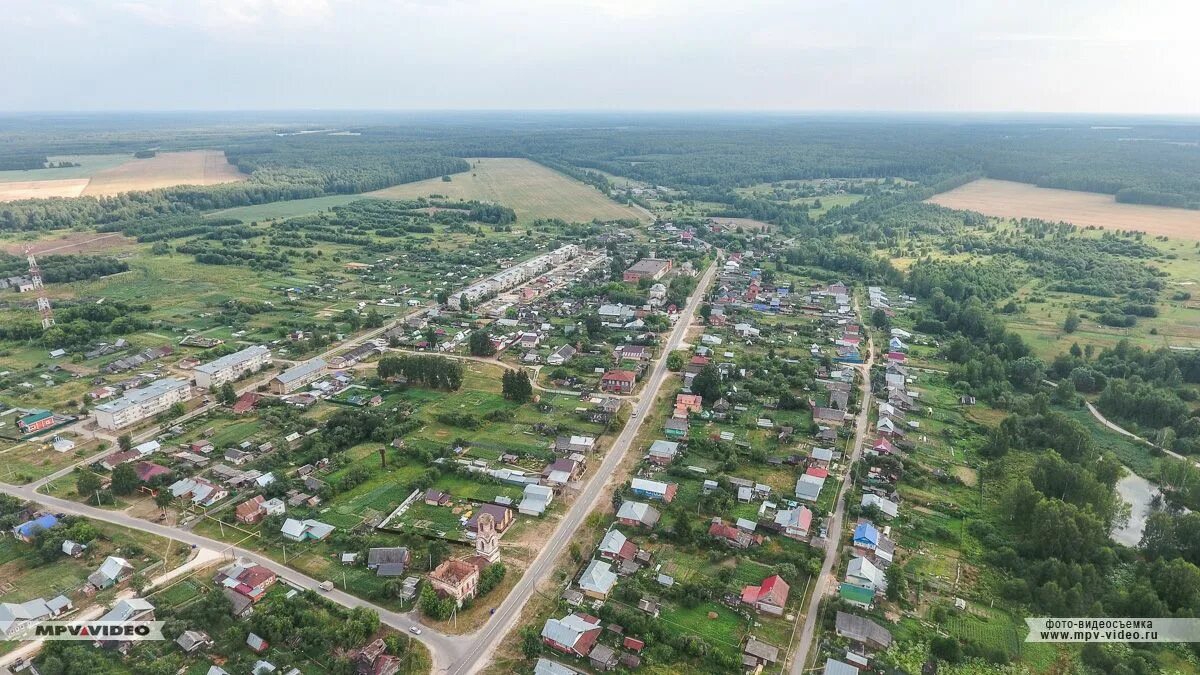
{"x":406,"y":469}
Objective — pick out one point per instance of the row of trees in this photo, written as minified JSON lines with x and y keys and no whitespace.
{"x":435,"y":372}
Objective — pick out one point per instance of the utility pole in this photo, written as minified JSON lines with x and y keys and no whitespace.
{"x":35,"y":277}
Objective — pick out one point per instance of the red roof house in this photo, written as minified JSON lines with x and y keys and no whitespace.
{"x":620,"y":381}
{"x":147,"y":470}
{"x":246,"y":402}
{"x":770,"y":596}
{"x":883,"y":447}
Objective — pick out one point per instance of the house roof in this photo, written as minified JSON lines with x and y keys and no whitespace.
{"x":620,"y":376}
{"x":866,"y":533}
{"x":147,"y":470}
{"x":888,"y":507}
{"x":639,"y":511}
{"x":301,"y":371}
{"x":126,"y":609}
{"x":113,"y":567}
{"x":567,"y":630}
{"x":614,"y":543}
{"x":862,"y":629}
{"x":761,"y":650}
{"x":292,"y":527}
{"x":835,"y":667}
{"x":255,"y":642}
{"x":379,"y":556}
{"x":598,"y":577}
{"x":32,"y":527}
{"x":862,"y":568}
{"x":548,"y":667}
{"x":809,"y":487}
{"x":800,"y":518}
{"x":664,"y":449}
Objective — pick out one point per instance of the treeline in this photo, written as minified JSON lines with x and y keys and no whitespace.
{"x":23,"y":162}
{"x":63,"y":268}
{"x":78,"y":325}
{"x":987,"y":357}
{"x":1049,"y":534}
{"x":842,"y":257}
{"x":280,"y":169}
{"x":1144,"y":389}
{"x":435,"y":372}
{"x":1105,"y":267}
{"x":168,"y":227}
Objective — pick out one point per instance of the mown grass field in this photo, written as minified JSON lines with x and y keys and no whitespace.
{"x":166,"y":169}
{"x":1008,"y":199}
{"x":529,"y":188}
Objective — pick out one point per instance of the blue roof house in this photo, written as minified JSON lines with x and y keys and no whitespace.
{"x":865,"y":536}
{"x":28,"y":530}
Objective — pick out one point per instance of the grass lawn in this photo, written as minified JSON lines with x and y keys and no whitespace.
{"x":285,"y":209}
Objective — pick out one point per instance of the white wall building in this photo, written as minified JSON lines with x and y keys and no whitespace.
{"x":513,"y":276}
{"x":231,"y":367}
{"x":139,"y":404}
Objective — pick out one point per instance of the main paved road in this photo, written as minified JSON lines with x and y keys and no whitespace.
{"x":451,"y":653}
{"x":509,"y":611}
{"x":834,"y":531}
{"x":444,"y":647}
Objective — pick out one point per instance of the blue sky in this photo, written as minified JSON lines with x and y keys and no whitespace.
{"x":863,"y":55}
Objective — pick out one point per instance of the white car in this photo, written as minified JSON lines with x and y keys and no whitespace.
{"x":414,"y":630}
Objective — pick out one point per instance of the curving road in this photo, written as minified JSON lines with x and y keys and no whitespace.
{"x":444,"y":647}
{"x":457,"y":654}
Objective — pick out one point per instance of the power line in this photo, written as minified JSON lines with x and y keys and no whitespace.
{"x":35,"y":277}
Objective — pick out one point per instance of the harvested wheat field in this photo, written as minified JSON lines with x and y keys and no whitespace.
{"x":196,"y":167}
{"x":525,"y":186}
{"x":1007,"y":199}
{"x":42,"y":189}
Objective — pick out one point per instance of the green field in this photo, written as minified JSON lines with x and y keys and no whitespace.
{"x":88,"y":165}
{"x":285,"y":209}
{"x":529,"y":188}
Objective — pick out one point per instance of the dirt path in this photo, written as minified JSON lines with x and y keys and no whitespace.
{"x":1112,"y":426}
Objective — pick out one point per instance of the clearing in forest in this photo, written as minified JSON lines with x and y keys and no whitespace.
{"x":530,"y":189}
{"x":1007,"y":199}
{"x":166,"y":169}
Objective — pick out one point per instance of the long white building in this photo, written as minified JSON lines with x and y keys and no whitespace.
{"x":513,"y":276}
{"x":139,"y":404}
{"x":231,"y":367}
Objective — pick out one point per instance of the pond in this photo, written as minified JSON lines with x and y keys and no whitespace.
{"x":1138,"y":493}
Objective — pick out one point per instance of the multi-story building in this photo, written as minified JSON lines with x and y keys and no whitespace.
{"x":647,"y":268}
{"x":138,"y":404}
{"x":231,"y":367}
{"x":512,"y":276}
{"x":293,"y":378}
